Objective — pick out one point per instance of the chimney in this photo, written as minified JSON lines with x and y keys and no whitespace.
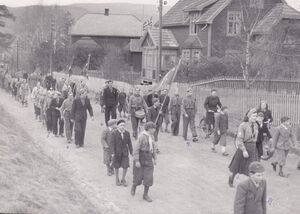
{"x":106,"y":12}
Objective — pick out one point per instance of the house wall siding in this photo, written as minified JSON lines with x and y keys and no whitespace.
{"x":180,"y":33}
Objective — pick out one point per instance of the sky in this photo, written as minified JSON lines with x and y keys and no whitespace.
{"x":14,"y":3}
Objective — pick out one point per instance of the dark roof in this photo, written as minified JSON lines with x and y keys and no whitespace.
{"x":193,"y":41}
{"x":168,"y":38}
{"x":175,"y":16}
{"x":114,"y":25}
{"x":274,"y":16}
{"x":212,"y":12}
{"x":199,"y":5}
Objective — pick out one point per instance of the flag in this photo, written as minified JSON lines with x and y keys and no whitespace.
{"x":167,"y":80}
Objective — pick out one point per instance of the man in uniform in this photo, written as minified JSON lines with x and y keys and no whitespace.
{"x":175,"y":110}
{"x":164,"y":99}
{"x":110,"y":98}
{"x":122,"y":101}
{"x":136,"y":102}
{"x":189,"y":110}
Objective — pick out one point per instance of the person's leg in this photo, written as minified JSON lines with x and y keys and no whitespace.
{"x":193,"y":128}
{"x":185,"y":126}
{"x":178,"y":115}
{"x":61,"y":127}
{"x":117,"y":177}
{"x":123,"y":181}
{"x":68,"y":127}
{"x":107,"y":112}
{"x":283,"y":162}
{"x":146,"y":196}
{"x":173,"y":124}
{"x":54,"y":123}
{"x":223,"y":144}
{"x":114,"y":112}
{"x":215,"y":142}
{"x":231,"y":179}
{"x":134,"y":124}
{"x":83,"y":125}
{"x":167,"y":121}
{"x":78,"y":133}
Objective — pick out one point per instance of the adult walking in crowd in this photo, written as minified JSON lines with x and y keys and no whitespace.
{"x":24,"y":92}
{"x":251,"y":194}
{"x":122,"y":103}
{"x":246,"y":141}
{"x":105,"y":141}
{"x":284,"y":140}
{"x":79,"y":116}
{"x":189,"y":111}
{"x":262,"y":131}
{"x":48,"y":111}
{"x":175,"y":111}
{"x":110,"y":97}
{"x":35,"y":96}
{"x":155,"y":116}
{"x":144,"y":160}
{"x":264,"y":108}
{"x":136,"y":103}
{"x":149,"y":98}
{"x":220,"y":132}
{"x":212,"y":104}
{"x":121,"y":147}
{"x":164,"y":99}
{"x":57,"y":121}
{"x":65,"y":110}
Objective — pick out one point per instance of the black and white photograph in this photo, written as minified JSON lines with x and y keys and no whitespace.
{"x":150,"y":106}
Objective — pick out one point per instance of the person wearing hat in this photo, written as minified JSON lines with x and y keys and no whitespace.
{"x":212,"y":104}
{"x":175,"y":111}
{"x":121,"y":147}
{"x":251,"y":194}
{"x":65,"y":110}
{"x":220,"y":132}
{"x":105,"y":141}
{"x":283,"y":140}
{"x":136,"y":103}
{"x":144,"y":160}
{"x":79,"y":110}
{"x":110,"y":98}
{"x":246,"y":142}
{"x":164,"y":99}
{"x":262,"y":131}
{"x":189,"y":110}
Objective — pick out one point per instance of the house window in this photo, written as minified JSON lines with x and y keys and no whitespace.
{"x":234,"y":23}
{"x":186,"y":54}
{"x":193,"y":26}
{"x":257,"y":4}
{"x":153,"y":74}
{"x":196,"y":54}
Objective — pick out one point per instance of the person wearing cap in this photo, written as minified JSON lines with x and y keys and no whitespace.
{"x":65,"y":110}
{"x":283,"y":140}
{"x":79,"y":110}
{"x":262,"y":131}
{"x":220,"y":132}
{"x":105,"y":141}
{"x":175,"y":111}
{"x":189,"y":111}
{"x":121,"y":147}
{"x":212,"y":103}
{"x":110,"y":97}
{"x":136,"y":103}
{"x":164,"y":99}
{"x":55,"y":113}
{"x":144,"y":156}
{"x":251,"y":194}
{"x":246,"y":142}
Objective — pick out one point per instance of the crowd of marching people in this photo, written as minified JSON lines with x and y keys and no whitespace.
{"x":62,"y":107}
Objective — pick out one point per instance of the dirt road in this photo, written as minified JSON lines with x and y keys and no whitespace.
{"x":188,"y":179}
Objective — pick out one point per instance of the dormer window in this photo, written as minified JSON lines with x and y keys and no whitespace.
{"x":193,"y":18}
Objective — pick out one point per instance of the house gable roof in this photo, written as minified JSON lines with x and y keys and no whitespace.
{"x":199,"y":5}
{"x":274,"y":16}
{"x":113,"y":25}
{"x":213,"y":11}
{"x":168,"y":38}
{"x":193,"y":42}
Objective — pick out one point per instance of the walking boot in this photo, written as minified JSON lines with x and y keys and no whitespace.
{"x":281,"y":174}
{"x":146,"y":196}
{"x":133,"y":189}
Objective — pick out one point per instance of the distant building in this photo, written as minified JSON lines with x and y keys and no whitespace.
{"x":106,"y":30}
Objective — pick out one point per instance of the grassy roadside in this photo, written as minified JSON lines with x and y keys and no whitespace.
{"x":30,"y":182}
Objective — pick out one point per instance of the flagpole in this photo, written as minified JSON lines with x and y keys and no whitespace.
{"x":173,"y":78}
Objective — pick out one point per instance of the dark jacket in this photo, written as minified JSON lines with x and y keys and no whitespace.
{"x":110,"y":97}
{"x":149,"y":99}
{"x":221,"y":122}
{"x":249,"y":199}
{"x":119,"y":146}
{"x":152,"y":115}
{"x":165,"y":104}
{"x":261,"y":131}
{"x":267,"y":115}
{"x":211,"y":103}
{"x":78,"y":111}
{"x":54,"y":104}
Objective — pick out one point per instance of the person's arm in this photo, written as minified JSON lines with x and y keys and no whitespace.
{"x":267,"y":131}
{"x":89,"y":107}
{"x":219,"y":103}
{"x":217,"y":123}
{"x":73,"y":110}
{"x":196,"y":109}
{"x":112,"y":143}
{"x":63,"y":107}
{"x":130,"y":144}
{"x":270,"y":117}
{"x":240,"y":200}
{"x":293,"y":138}
{"x":182,"y":108}
{"x":104,"y":138}
{"x":241,"y":137}
{"x":206,"y":103}
{"x":155,"y":150}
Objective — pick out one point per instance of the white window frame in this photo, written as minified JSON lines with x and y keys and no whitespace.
{"x":198,"y":56}
{"x":186,"y":54}
{"x":193,"y":30}
{"x":234,"y":23}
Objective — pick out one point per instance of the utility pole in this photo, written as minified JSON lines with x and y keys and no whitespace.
{"x":51,"y":45}
{"x":158,"y":70}
{"x":18,"y":55}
